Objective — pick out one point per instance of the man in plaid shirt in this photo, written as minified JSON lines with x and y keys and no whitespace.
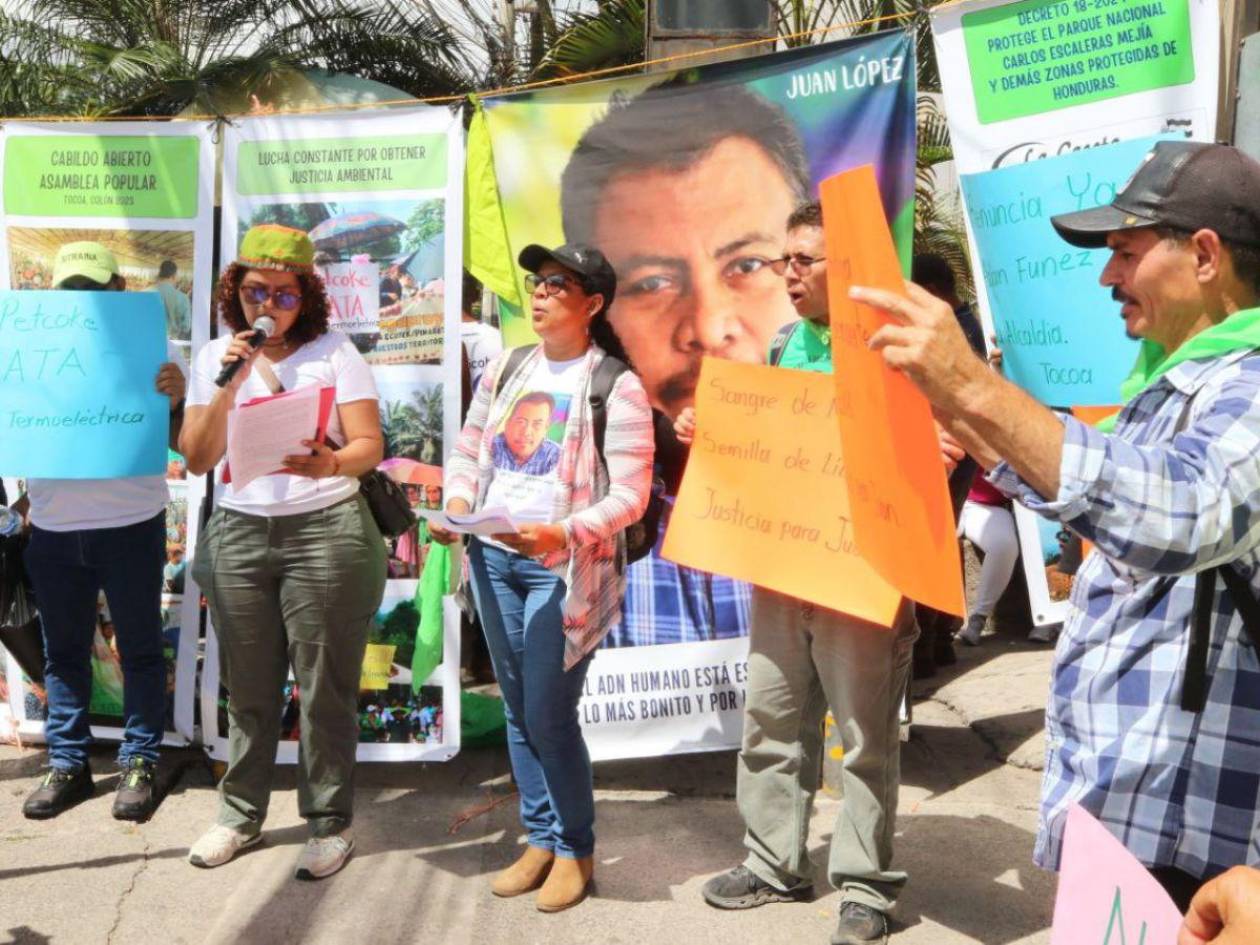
{"x":1161,"y":745}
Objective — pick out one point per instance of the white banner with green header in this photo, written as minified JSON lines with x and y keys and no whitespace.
{"x":381,"y":196}
{"x":144,"y":191}
{"x":1032,"y":80}
{"x":1042,"y":78}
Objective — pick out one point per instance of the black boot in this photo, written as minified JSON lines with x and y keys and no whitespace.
{"x":60,"y":790}
{"x":134,"y":800}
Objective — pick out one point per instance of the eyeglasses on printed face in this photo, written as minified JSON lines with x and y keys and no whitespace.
{"x":799,"y":261}
{"x":556,"y":283}
{"x":284,"y":299}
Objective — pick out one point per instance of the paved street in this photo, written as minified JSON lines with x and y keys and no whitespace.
{"x":964,"y":833}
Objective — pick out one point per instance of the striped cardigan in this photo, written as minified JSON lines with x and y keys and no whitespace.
{"x":593,"y":505}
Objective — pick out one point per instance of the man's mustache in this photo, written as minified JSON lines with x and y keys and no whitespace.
{"x":1122,"y":297}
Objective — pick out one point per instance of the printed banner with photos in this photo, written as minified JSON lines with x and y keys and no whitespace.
{"x":144,"y":191}
{"x":685,"y":180}
{"x":1034,"y":79}
{"x":381,"y":197}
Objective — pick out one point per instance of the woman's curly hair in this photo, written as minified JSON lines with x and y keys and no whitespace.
{"x":312,"y":320}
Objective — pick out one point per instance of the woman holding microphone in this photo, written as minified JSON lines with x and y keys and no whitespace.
{"x":292,"y":564}
{"x":548,"y":593}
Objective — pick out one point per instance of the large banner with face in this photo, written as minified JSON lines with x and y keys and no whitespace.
{"x":685,"y":181}
{"x":381,"y":197}
{"x":1070,"y":81}
{"x":144,"y":191}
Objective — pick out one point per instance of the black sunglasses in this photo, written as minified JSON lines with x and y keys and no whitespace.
{"x":284,"y":299}
{"x":556,"y":283}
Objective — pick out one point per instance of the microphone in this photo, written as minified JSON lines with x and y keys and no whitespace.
{"x":264,"y":325}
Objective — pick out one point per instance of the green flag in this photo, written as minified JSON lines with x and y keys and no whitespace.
{"x":487,"y":252}
{"x":430,"y":589}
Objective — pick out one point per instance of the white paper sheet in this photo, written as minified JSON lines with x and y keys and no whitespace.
{"x":485,"y":523}
{"x":262,"y":433}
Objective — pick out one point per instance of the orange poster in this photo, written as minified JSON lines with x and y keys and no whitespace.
{"x":896,"y":478}
{"x":764,"y":496}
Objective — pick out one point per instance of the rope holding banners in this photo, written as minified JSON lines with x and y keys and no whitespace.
{"x":504,"y":90}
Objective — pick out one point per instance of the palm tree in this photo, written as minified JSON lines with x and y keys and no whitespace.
{"x":157,"y":57}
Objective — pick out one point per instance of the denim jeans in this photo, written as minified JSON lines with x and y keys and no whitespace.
{"x":519,"y":602}
{"x":68,"y":570}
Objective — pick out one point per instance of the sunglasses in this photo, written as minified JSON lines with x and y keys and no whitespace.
{"x":800,"y":262}
{"x":284,"y":299}
{"x":556,"y":283}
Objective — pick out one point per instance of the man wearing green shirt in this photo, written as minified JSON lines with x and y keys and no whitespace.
{"x":803,"y":658}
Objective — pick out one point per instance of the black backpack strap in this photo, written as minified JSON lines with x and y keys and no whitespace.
{"x":1194,"y":690}
{"x":779,"y":343}
{"x":1244,"y":601}
{"x":514,"y":359}
{"x":602,"y":383}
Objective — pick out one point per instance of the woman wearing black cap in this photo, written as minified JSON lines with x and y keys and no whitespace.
{"x":548,"y":593}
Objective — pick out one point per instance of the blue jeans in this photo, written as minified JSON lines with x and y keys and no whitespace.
{"x":520,"y":606}
{"x":68,"y":570}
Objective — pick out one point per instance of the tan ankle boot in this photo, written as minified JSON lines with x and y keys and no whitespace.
{"x":525,"y":875}
{"x":566,"y":884}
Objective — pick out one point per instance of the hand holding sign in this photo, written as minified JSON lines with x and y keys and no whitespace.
{"x":1225,"y":911}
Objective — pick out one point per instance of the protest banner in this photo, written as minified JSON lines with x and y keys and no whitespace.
{"x":1033,"y":79}
{"x":898,"y":493}
{"x":1059,"y":331}
{"x":1105,"y":895}
{"x":144,"y":191}
{"x":381,"y":197}
{"x":655,"y":170}
{"x":77,"y":399}
{"x":765,"y":499}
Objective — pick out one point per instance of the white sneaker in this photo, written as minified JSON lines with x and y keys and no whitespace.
{"x":970,"y":633}
{"x":218,"y":845}
{"x":323,"y":856}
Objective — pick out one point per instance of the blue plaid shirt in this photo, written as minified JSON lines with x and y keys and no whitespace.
{"x":666,"y":603}
{"x":1174,"y":490}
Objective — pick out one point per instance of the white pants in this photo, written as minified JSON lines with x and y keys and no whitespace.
{"x":991,"y":528}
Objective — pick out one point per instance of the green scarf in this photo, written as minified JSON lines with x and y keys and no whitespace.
{"x":1238,"y":332}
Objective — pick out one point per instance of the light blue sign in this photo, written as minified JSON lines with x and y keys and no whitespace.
{"x":1061,"y":334}
{"x":77,"y":375}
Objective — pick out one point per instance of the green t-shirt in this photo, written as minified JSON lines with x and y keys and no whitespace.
{"x":808,"y":347}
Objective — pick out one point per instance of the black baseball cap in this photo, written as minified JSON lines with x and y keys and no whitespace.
{"x":1187,"y":185}
{"x":588,"y":262}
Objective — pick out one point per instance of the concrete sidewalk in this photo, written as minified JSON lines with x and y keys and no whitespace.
{"x":965,"y":831}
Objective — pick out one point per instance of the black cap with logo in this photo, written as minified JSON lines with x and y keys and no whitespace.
{"x":1186,"y":185}
{"x":588,"y":262}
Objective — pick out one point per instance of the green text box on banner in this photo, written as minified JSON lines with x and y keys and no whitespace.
{"x":77,"y":397}
{"x":342,"y":165}
{"x":1041,"y":55}
{"x":101,"y":176}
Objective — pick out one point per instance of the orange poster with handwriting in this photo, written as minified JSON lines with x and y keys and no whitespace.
{"x":896,"y":478}
{"x":764,"y":499}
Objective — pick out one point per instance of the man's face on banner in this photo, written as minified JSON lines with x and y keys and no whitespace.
{"x":691,"y":249}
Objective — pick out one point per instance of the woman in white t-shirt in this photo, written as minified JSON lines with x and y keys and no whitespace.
{"x":292,"y":564}
{"x":548,"y":593}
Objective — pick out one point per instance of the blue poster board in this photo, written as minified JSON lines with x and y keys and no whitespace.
{"x":1060,"y":332}
{"x":77,"y":376}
